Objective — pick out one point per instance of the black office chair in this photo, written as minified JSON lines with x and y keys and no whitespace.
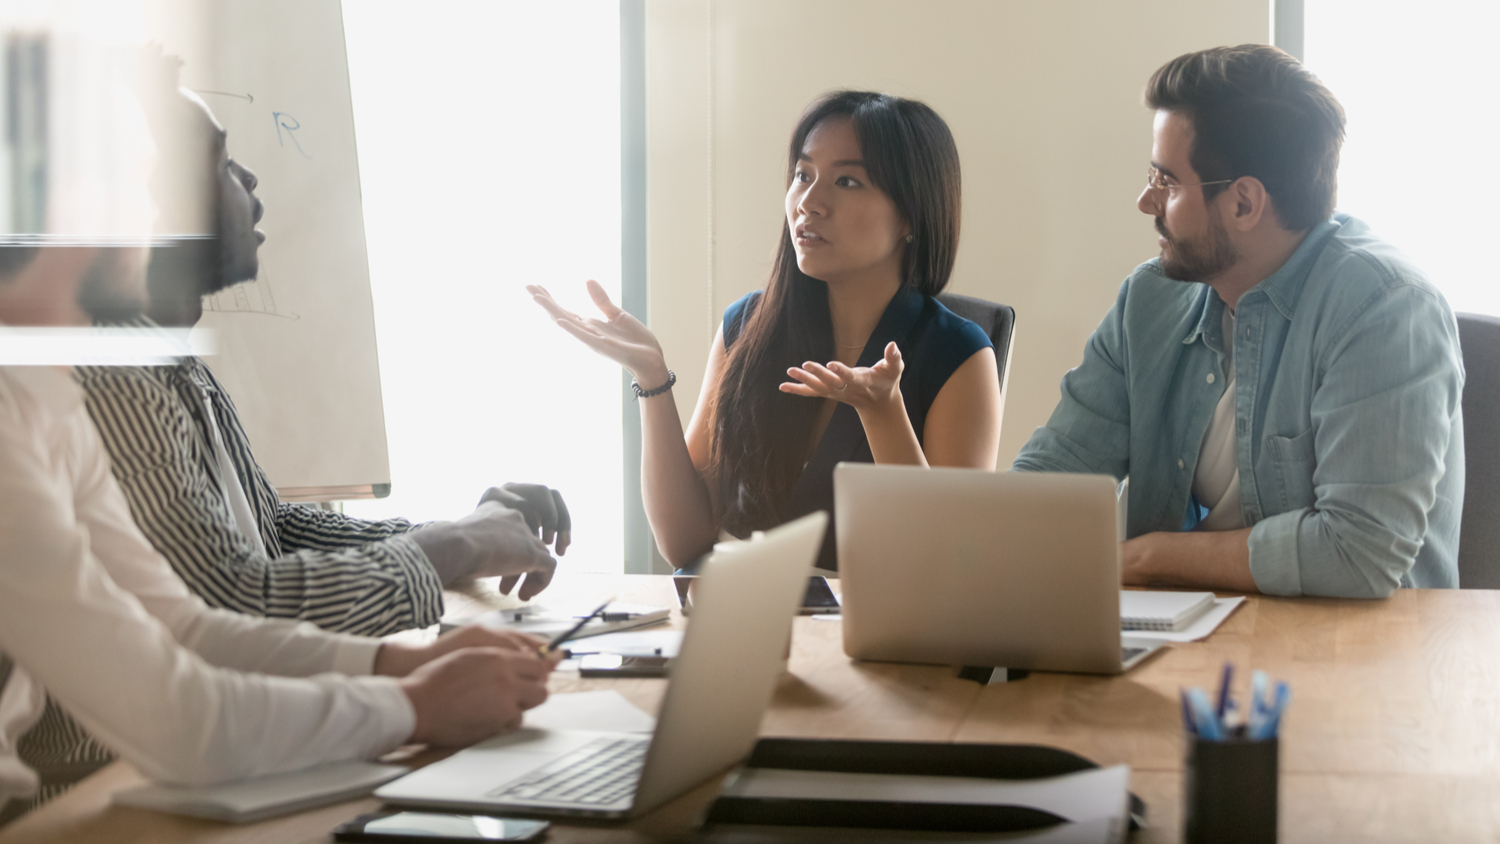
{"x":1479,"y":540}
{"x":998,"y":321}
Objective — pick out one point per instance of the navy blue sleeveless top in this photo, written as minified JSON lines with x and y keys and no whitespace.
{"x":934,"y":343}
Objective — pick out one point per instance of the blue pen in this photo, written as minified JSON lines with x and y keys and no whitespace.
{"x":1187,"y":712}
{"x":1203,"y":715}
{"x":1270,"y":723}
{"x":1224,"y":682}
{"x":1258,"y":682}
{"x":1273,"y":720}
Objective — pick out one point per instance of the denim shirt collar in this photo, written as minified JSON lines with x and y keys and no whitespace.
{"x":1283,"y":288}
{"x":1210,"y":320}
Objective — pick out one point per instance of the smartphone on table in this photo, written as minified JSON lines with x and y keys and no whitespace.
{"x":394,"y":826}
{"x":817,"y":600}
{"x":618,"y":665}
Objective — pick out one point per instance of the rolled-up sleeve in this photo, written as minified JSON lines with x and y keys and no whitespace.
{"x":1089,"y":431}
{"x":1384,"y":413}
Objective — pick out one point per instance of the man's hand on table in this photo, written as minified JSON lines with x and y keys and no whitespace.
{"x":398,"y":659}
{"x":1195,"y":559}
{"x":470,"y":684}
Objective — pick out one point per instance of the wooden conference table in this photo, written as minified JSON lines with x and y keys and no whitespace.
{"x":1393,"y":733}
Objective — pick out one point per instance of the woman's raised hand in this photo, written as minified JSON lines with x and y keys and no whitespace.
{"x":864,"y":387}
{"x":619,"y":336}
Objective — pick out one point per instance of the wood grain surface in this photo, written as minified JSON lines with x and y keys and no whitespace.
{"x":1393,"y":733}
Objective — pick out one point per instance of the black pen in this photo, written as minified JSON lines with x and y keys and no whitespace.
{"x":568,"y":634}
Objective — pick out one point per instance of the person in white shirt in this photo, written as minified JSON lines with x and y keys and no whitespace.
{"x":91,"y":614}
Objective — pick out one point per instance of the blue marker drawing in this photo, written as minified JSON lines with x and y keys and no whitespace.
{"x":281,"y":118}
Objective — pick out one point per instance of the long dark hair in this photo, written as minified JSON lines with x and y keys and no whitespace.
{"x":761,"y":436}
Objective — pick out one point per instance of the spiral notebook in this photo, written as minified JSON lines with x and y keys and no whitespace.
{"x":1169,"y":611}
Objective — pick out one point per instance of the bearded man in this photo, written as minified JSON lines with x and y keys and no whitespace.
{"x":1281,"y":387}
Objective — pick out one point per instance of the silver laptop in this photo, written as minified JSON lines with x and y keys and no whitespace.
{"x":722,"y":680}
{"x":967,"y":567}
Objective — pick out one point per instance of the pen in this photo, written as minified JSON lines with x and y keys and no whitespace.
{"x":1258,"y":681}
{"x":1261,"y":721}
{"x":569,"y":633}
{"x":1271,"y":725}
{"x":1224,"y":691}
{"x":1203,"y":716}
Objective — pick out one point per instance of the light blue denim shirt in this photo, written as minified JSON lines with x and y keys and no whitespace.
{"x":1348,"y":417}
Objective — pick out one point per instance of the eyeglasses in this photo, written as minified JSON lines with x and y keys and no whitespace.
{"x":1156,"y":181}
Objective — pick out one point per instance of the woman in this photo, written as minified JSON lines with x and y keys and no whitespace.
{"x":872,"y":220}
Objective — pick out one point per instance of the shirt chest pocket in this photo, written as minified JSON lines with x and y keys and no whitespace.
{"x":1285,"y":472}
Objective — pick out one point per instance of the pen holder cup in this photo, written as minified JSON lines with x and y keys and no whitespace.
{"x":1229,"y":791}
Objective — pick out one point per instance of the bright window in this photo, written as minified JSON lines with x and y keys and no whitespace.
{"x":1418,"y":82}
{"x":489,"y":153}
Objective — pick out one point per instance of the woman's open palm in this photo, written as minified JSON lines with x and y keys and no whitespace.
{"x":619,"y":336}
{"x":861,"y":386}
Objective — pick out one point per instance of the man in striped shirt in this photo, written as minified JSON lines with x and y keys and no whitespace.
{"x":197,"y":493}
{"x":94,"y":623}
{"x":91,"y":614}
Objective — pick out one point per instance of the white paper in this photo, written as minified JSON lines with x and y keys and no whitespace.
{"x":1101,"y":831}
{"x":632,"y":643}
{"x":606,"y":711}
{"x":546,"y":621}
{"x":264,"y":797}
{"x":1206,"y":624}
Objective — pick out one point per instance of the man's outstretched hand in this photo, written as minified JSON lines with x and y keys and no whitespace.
{"x":543,"y":507}
{"x":506,"y":537}
{"x":545,"y":512}
{"x":492,"y":541}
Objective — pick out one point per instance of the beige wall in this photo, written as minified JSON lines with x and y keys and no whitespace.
{"x":1043,"y":99}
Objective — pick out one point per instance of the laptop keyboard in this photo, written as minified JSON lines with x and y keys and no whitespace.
{"x":600,"y":773}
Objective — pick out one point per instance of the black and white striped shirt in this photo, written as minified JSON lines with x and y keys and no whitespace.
{"x":340,"y":573}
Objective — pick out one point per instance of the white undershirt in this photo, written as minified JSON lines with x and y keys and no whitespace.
{"x":1216,"y":481}
{"x":229,"y":481}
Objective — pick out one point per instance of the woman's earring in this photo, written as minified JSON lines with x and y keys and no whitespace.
{"x":908,"y":238}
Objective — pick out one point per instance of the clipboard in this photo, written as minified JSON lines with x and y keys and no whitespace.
{"x":791,"y":796}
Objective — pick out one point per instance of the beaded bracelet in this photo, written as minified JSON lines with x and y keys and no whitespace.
{"x":646,"y":394}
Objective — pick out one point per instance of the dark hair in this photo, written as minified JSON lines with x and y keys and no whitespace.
{"x":760,"y":438}
{"x":1256,"y":111}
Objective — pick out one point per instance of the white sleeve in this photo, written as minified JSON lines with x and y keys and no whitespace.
{"x":222,"y":637}
{"x":123,"y":674}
